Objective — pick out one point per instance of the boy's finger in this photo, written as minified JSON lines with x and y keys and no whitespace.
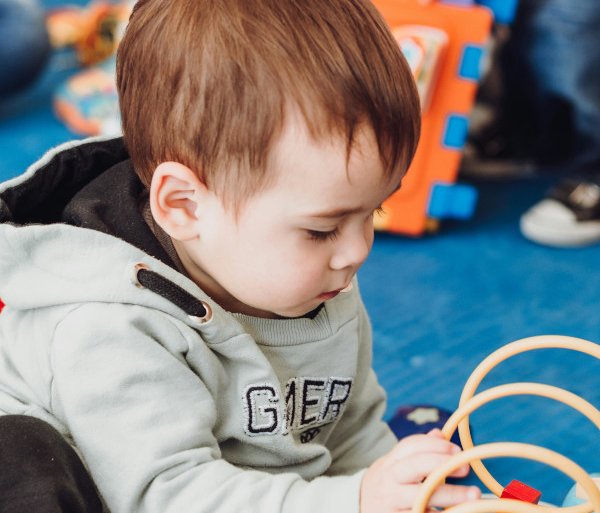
{"x":437,"y":432}
{"x":415,"y":469}
{"x":462,"y":471}
{"x":444,"y":497}
{"x":450,"y":495}
{"x":416,"y":444}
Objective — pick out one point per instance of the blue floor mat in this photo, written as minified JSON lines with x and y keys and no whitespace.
{"x":441,"y":303}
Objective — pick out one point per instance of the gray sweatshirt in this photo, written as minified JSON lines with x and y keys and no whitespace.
{"x":171,"y":414}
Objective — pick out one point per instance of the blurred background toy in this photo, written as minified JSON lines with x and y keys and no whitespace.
{"x":444,"y":42}
{"x":87,"y":102}
{"x":94,"y":31}
{"x":25,"y":47}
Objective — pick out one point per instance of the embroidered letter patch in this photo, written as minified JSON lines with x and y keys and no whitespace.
{"x":309,"y":403}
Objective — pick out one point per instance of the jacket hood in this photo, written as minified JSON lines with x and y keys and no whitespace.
{"x":71,"y":231}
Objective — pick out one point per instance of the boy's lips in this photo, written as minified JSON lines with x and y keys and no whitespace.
{"x":331,"y":294}
{"x":328,"y":295}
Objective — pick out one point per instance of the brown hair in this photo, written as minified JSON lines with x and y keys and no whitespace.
{"x":207,"y":83}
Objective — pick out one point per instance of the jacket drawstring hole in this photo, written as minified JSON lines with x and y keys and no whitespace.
{"x":207,"y":317}
{"x":134,"y":275}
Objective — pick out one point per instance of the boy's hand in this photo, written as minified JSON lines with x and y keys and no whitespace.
{"x":392,"y":482}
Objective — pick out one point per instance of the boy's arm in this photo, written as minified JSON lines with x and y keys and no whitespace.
{"x":362,"y":435}
{"x":143,"y":422}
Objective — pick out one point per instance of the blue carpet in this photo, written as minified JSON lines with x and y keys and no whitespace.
{"x":440,"y":304}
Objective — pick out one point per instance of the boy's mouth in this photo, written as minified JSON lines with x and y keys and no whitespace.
{"x":330,"y":295}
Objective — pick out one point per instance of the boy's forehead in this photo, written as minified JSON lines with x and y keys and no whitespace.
{"x":313,"y":177}
{"x":298,"y":154}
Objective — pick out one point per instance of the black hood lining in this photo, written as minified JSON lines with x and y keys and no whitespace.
{"x":91,"y":185}
{"x":41,"y":198}
{"x":112,"y":203}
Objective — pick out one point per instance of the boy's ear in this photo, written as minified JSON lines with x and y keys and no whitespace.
{"x":175,"y":194}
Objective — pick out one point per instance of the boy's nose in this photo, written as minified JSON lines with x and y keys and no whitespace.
{"x":351,"y":253}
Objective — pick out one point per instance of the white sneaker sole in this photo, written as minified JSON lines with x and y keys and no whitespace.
{"x":553,"y":224}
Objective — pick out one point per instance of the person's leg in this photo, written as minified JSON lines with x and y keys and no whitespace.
{"x":507,"y":119}
{"x":537,"y":69}
{"x":40,"y":472}
{"x":560,"y":43}
{"x":585,"y":88}
{"x":564,"y":56}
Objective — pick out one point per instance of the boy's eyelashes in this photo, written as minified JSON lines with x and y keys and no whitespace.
{"x":321,"y":236}
{"x":325,"y":235}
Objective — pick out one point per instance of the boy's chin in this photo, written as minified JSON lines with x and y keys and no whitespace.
{"x":309,"y":311}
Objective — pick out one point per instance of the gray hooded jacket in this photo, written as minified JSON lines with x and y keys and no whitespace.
{"x":172,"y":410}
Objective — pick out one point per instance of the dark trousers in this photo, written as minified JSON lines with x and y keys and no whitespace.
{"x":40,"y":472}
{"x":552,"y":84}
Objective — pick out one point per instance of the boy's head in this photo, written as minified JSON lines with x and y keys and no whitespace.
{"x":235,"y":110}
{"x":209,"y":84}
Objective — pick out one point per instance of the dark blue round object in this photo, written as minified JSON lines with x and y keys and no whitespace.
{"x":420,"y":418}
{"x":24,"y":44}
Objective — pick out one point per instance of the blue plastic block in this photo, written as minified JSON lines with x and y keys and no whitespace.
{"x":504,"y":10}
{"x":455,"y":201}
{"x":470,"y":62}
{"x":455,"y":133}
{"x":420,"y":418}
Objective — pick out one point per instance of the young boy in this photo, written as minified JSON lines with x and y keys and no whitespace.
{"x":185,"y":312}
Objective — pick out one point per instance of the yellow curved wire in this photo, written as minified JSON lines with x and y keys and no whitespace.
{"x":473,"y":455}
{"x":539,"y":389}
{"x":505,"y":352}
{"x":508,"y":449}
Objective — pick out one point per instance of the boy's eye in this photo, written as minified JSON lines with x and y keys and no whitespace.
{"x":318,"y":236}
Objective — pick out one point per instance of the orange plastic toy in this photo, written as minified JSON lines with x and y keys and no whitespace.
{"x":92,"y":31}
{"x":443,"y":44}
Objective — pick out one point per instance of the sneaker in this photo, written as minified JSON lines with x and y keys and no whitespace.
{"x":568,"y":217}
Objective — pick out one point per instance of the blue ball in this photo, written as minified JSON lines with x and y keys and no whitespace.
{"x":24,"y":44}
{"x":571,"y":498}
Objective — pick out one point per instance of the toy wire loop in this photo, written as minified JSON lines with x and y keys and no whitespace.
{"x":507,"y":449}
{"x":473,"y":455}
